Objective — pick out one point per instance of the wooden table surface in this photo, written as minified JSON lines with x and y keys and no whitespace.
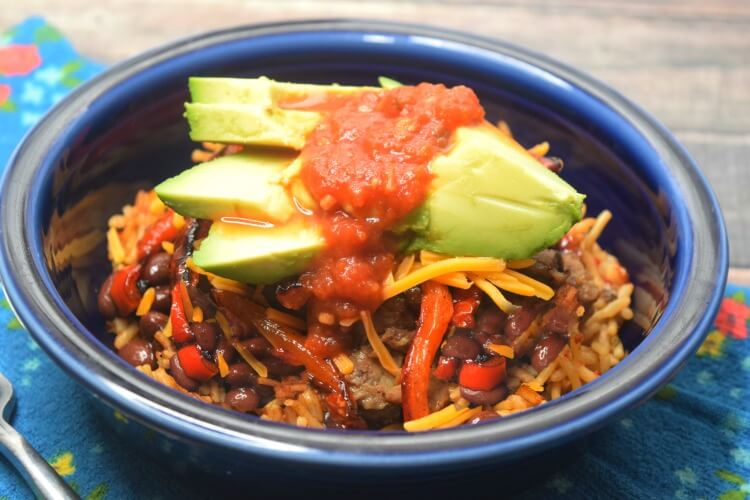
{"x":687,"y":62}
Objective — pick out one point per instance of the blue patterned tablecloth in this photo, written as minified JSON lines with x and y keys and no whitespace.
{"x":689,"y":442}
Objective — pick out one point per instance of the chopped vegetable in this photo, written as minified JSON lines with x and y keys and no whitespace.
{"x":446,"y":368}
{"x":435,"y":315}
{"x":482,"y":376}
{"x":195,"y":365}
{"x":181,"y":331}
{"x":124,"y":291}
{"x":160,"y":231}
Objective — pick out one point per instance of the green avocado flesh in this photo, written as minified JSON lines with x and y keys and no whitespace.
{"x":241,"y":185}
{"x":489,"y":196}
{"x":258,"y":255}
{"x":248,"y":111}
{"x":492,"y":198}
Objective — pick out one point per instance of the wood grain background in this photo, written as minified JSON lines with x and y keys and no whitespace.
{"x":686,"y":62}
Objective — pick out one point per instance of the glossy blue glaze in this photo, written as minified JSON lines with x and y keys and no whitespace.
{"x":124,"y":130}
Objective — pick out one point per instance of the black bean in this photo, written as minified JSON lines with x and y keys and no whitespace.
{"x":258,"y":346}
{"x":162,"y":299}
{"x":243,"y":399}
{"x":104,"y":300}
{"x":483,"y":416}
{"x":156,"y":270}
{"x":546,"y":351}
{"x":138,"y":352}
{"x":518,"y":322}
{"x":152,"y":322}
{"x":461,"y":347}
{"x":175,"y":369}
{"x":490,"y":320}
{"x":484,"y":398}
{"x":558,"y":320}
{"x":202,"y":300}
{"x":206,"y":335}
{"x":225,"y":349}
{"x":414,"y":298}
{"x":241,"y":375}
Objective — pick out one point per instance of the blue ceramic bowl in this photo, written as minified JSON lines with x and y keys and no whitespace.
{"x":124,"y":130}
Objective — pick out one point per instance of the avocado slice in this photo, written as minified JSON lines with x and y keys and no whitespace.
{"x":249,"y":110}
{"x":240,"y":185}
{"x":258,"y":255}
{"x":492,"y":198}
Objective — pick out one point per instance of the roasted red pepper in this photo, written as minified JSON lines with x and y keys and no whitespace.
{"x":124,"y":291}
{"x":482,"y":376}
{"x":464,"y":307}
{"x":158,"y":232}
{"x":194,"y":364}
{"x":435,"y":315}
{"x":342,"y":406}
{"x":446,"y":368}
{"x":181,"y":331}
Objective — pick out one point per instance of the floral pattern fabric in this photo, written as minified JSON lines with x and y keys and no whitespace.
{"x":689,"y":442}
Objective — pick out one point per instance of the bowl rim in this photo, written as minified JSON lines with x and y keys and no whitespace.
{"x":691,"y":308}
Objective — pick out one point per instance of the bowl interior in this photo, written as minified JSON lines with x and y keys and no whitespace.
{"x":135,"y":136}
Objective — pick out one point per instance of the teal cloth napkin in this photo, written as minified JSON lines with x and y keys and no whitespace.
{"x":691,"y":441}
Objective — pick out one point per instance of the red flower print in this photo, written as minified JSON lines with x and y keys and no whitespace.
{"x":4,"y":93}
{"x":19,"y":60}
{"x":732,"y":318}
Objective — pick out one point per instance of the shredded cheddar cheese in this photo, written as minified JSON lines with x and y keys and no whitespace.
{"x":462,"y":416}
{"x":146,"y":302}
{"x":497,"y":297}
{"x":115,"y":247}
{"x":455,"y":280}
{"x":223,"y":367}
{"x":197,"y":314}
{"x":539,"y":150}
{"x":168,"y":247}
{"x":509,"y":283}
{"x":433,"y":420}
{"x":167,"y":332}
{"x":541,"y":290}
{"x":441,"y":267}
{"x":381,"y":351}
{"x":178,"y":221}
{"x":503,"y":350}
{"x":404,"y":267}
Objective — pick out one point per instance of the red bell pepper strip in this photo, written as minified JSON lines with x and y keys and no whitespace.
{"x":124,"y":291}
{"x":195,"y":365}
{"x":181,"y":331}
{"x":342,"y":406}
{"x":482,"y":376}
{"x":161,"y":230}
{"x":446,"y":368}
{"x":435,"y":315}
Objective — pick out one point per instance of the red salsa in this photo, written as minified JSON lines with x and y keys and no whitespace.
{"x":367,"y":166}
